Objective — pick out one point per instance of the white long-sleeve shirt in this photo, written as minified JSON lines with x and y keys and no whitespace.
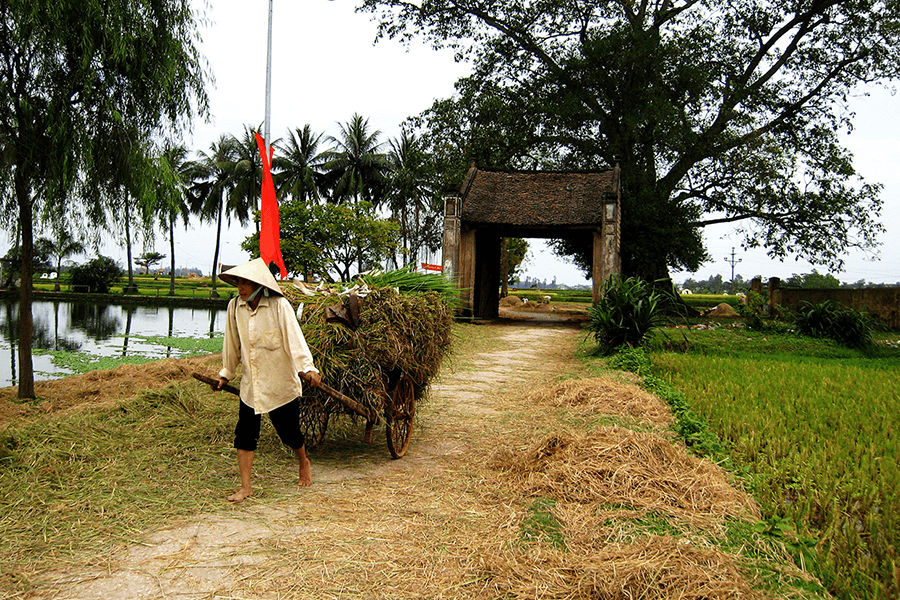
{"x":269,"y":345}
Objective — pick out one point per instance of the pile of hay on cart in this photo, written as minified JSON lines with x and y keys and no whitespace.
{"x":398,"y":334}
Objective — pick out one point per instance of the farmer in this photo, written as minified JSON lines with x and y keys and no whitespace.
{"x":262,"y":335}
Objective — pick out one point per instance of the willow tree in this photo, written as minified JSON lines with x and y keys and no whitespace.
{"x":69,"y":72}
{"x":716,"y":112}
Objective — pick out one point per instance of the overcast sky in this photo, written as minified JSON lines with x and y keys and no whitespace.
{"x":325,"y":68}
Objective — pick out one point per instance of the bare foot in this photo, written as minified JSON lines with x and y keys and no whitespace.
{"x":305,"y":472}
{"x":240,"y":495}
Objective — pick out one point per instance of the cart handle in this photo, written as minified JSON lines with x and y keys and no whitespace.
{"x":227,"y":387}
{"x":347,"y":401}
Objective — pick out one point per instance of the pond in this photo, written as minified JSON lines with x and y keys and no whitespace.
{"x":73,"y":337}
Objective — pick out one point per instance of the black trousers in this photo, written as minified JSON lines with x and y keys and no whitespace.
{"x":286,"y":420}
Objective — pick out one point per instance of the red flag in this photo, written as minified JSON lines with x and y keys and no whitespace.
{"x":269,"y":235}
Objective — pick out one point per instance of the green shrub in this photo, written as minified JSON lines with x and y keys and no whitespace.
{"x":633,"y":360}
{"x":753,"y":310}
{"x":96,"y":275}
{"x":629,"y":310}
{"x":829,"y":319}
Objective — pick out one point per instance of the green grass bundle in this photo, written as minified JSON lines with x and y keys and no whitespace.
{"x":399,"y":334}
{"x":409,"y":280}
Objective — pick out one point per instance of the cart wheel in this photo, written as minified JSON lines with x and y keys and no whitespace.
{"x":313,"y":422}
{"x":398,"y":415}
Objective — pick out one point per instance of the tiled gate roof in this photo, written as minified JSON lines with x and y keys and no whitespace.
{"x":537,"y":198}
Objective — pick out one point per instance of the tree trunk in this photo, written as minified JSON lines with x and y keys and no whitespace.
{"x":26,"y":322}
{"x":130,"y":288}
{"x":213,"y":293}
{"x":172,"y":254}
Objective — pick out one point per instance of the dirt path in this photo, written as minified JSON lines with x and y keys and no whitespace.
{"x":369,"y":527}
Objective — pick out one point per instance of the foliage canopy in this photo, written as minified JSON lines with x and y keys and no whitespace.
{"x":716,"y":112}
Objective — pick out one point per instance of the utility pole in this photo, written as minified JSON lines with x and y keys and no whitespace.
{"x":733,"y":262}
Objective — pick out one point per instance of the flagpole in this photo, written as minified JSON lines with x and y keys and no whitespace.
{"x":268,"y":125}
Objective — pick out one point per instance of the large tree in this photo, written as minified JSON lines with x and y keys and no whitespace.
{"x":716,"y":112}
{"x":67,"y":71}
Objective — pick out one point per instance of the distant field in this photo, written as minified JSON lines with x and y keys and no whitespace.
{"x":555,"y":295}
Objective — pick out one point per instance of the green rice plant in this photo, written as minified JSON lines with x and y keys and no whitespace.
{"x":815,"y":433}
{"x":694,"y":431}
{"x":830,"y":319}
{"x":628,"y":311}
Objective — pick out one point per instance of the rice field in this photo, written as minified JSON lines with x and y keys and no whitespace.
{"x":814,"y":427}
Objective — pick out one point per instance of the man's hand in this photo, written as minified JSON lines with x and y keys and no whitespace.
{"x":312,"y":378}
{"x":218,"y":385}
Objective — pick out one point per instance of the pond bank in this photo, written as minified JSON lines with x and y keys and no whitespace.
{"x":123,"y":299}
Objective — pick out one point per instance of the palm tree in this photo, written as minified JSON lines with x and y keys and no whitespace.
{"x":125,"y":177}
{"x":213,"y":192}
{"x":299,"y":170}
{"x":246,"y":178}
{"x":356,"y":168}
{"x":176,"y":174}
{"x":410,"y":196}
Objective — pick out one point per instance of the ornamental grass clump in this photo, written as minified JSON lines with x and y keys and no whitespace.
{"x":829,"y":319}
{"x":627,"y":313}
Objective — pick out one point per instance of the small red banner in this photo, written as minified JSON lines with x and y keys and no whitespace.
{"x":428,"y":267}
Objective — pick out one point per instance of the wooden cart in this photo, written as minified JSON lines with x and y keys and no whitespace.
{"x":398,"y":412}
{"x":378,"y":352}
{"x":316,"y":408}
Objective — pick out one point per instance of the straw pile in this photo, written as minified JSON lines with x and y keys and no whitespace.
{"x":607,"y":396}
{"x":101,"y":387}
{"x":399,"y":334}
{"x":649,"y":568}
{"x":635,"y":513}
{"x":614,"y":465}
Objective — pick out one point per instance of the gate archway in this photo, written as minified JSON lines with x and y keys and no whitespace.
{"x":494,"y":204}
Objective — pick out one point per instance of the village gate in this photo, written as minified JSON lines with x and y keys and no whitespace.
{"x":492,"y":204}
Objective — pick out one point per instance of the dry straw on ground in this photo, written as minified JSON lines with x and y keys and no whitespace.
{"x":102,"y":387}
{"x":651,"y":568}
{"x":605,"y":395}
{"x":614,"y":465}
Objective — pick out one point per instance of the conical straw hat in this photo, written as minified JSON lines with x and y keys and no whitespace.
{"x":255,"y":271}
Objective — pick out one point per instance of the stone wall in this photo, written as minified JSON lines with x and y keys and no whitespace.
{"x":883,"y":302}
